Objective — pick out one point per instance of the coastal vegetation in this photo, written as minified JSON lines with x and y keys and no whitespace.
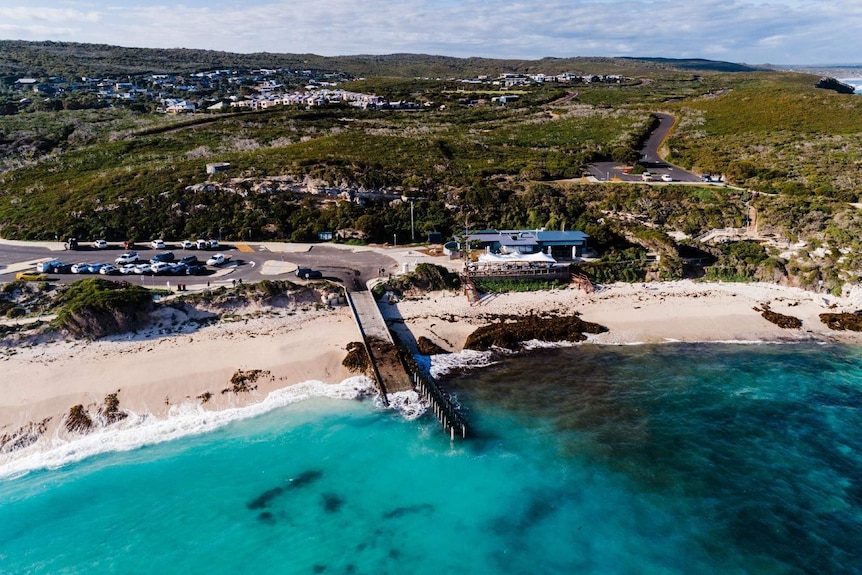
{"x":789,"y":151}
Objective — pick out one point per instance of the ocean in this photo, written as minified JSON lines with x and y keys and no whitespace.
{"x":855,"y":82}
{"x":668,"y":459}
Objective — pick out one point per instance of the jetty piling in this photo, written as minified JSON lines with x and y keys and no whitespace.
{"x":441,"y":406}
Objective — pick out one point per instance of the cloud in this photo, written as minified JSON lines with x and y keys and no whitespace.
{"x":780,"y":31}
{"x":43,"y":14}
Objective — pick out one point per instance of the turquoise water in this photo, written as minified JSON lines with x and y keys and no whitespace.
{"x":647,"y":459}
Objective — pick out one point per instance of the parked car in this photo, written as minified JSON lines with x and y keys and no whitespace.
{"x":100,"y":244}
{"x":143,"y":268}
{"x":160,"y":267}
{"x":308,"y":273}
{"x":109,"y":270}
{"x":157,"y":244}
{"x":177,"y":268}
{"x":63,"y":268}
{"x":201,"y":244}
{"x":48,"y":267}
{"x":196,"y":269}
{"x":128,"y":269}
{"x":188,"y":260}
{"x":212,"y":244}
{"x":217,"y":260}
{"x":163,"y":257}
{"x":31,"y":277}
{"x":127,"y":258}
{"x":81,"y":268}
{"x":666,"y":178}
{"x":187,"y":245}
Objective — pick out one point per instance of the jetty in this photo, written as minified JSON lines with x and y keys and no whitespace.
{"x":390,"y":373}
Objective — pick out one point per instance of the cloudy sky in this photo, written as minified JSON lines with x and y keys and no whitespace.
{"x":750,"y":31}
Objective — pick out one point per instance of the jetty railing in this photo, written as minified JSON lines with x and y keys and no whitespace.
{"x":441,"y":405}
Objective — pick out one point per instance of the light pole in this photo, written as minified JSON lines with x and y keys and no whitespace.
{"x":412,"y":234}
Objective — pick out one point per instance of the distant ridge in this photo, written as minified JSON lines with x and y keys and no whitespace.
{"x":701,"y":64}
{"x":22,"y":58}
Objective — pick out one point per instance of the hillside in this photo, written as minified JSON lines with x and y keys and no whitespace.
{"x":21,"y":58}
{"x":450,"y":154}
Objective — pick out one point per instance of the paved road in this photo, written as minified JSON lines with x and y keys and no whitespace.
{"x":650,"y":159}
{"x":341,"y":264}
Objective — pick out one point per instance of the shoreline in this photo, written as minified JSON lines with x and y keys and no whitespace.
{"x":160,"y":376}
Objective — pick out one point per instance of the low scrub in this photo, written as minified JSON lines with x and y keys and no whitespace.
{"x":97,"y":308}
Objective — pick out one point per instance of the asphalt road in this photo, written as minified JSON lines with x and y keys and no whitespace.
{"x":613,"y":171}
{"x":339,"y":264}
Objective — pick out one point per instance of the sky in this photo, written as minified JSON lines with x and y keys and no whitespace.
{"x":783,"y":32}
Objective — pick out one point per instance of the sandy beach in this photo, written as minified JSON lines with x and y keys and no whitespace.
{"x":682,"y":311}
{"x":154,"y":371}
{"x":166,"y":366}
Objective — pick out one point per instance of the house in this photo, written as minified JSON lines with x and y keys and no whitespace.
{"x":561,"y":245}
{"x":173,"y":106}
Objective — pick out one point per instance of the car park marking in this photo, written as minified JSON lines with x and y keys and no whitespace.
{"x":245,"y":248}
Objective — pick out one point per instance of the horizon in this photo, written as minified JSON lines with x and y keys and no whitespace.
{"x":784,"y":33}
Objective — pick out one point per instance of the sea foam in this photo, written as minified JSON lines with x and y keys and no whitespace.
{"x":138,"y":430}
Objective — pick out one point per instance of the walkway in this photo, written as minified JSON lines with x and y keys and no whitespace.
{"x":387,"y":366}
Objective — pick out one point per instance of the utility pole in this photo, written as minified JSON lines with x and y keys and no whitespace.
{"x":412,"y":234}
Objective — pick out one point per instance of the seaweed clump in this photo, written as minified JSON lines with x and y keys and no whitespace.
{"x":842,"y":321}
{"x":23,"y":437}
{"x":427,"y":347}
{"x":356,"y":359}
{"x":781,"y":320}
{"x":245,"y":381}
{"x":510,"y":332}
{"x":110,"y":411}
{"x":79,"y":420}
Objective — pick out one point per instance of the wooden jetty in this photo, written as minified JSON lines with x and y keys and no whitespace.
{"x":390,"y":372}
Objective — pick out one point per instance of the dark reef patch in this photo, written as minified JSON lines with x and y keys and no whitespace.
{"x":332,"y":503}
{"x":263,"y":500}
{"x":408,"y":509}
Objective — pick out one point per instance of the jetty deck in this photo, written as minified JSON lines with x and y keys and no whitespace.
{"x":390,"y":372}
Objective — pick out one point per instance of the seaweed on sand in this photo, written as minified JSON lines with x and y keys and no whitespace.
{"x":510,"y":331}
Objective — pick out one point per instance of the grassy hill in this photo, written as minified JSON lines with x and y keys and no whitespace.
{"x":792,"y":151}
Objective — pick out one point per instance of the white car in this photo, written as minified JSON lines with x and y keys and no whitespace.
{"x":187,"y":245}
{"x":127,"y":258}
{"x":666,"y":178}
{"x":142,"y":269}
{"x":157,"y":244}
{"x":128,"y":269}
{"x":109,"y":270}
{"x":81,"y":268}
{"x":217,"y":260}
{"x":100,"y":244}
{"x":201,"y":244}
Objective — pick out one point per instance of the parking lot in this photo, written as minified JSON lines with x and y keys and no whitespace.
{"x":243,"y":262}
